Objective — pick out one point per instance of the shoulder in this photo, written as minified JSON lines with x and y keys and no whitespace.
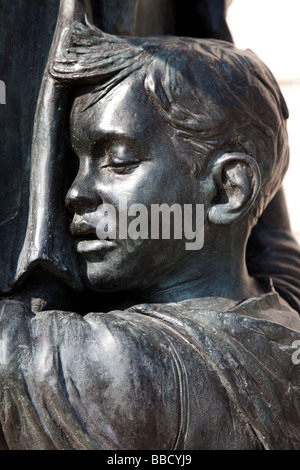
{"x":271,"y":307}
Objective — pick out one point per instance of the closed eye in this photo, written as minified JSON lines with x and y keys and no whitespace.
{"x":122,"y":167}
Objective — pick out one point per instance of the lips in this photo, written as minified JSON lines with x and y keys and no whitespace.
{"x":86,"y":239}
{"x":91,"y":246}
{"x":81,"y":228}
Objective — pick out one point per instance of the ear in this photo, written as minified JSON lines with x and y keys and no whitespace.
{"x":236,"y":180}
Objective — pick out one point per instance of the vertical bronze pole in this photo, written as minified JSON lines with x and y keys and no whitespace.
{"x":46,"y":241}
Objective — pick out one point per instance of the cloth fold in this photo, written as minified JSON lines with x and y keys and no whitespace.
{"x":155,"y":376}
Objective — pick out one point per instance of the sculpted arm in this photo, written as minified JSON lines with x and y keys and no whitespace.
{"x":121,"y":380}
{"x":74,"y":383}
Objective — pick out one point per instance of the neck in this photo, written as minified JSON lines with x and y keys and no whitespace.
{"x":207,"y":273}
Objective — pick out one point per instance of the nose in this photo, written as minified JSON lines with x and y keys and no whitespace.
{"x":82,"y":196}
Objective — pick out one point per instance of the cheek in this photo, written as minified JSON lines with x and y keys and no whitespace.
{"x":139,"y":187}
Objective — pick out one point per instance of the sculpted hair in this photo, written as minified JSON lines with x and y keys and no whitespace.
{"x":216,"y":97}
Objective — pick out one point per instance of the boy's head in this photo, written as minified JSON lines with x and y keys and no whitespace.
{"x":167,"y":120}
{"x":217,"y":98}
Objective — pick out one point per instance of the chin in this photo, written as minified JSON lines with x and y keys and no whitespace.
{"x":101,"y":278}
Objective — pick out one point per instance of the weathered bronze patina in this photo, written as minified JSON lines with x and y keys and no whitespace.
{"x":139,"y":343}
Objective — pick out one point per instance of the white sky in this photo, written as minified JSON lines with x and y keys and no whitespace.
{"x":271,"y":28}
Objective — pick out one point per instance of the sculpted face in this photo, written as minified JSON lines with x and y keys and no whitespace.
{"x":125,"y":150}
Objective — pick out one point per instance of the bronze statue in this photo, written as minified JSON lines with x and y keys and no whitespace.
{"x":192,"y":352}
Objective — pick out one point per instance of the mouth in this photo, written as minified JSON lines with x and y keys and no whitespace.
{"x":92,"y":246}
{"x":90,"y":243}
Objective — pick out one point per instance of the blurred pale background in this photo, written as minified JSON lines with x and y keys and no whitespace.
{"x":271,"y":28}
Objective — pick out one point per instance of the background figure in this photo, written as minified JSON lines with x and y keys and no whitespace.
{"x":192,"y":18}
